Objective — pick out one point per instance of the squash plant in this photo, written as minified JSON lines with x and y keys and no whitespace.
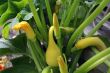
{"x":49,"y":35}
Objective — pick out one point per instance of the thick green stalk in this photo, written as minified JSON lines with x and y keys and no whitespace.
{"x":92,"y":60}
{"x":88,"y":13}
{"x":72,"y":10}
{"x":37,"y":19}
{"x":74,"y":63}
{"x":49,"y":11}
{"x":99,"y":24}
{"x":33,"y":54}
{"x":96,"y":51}
{"x":108,"y":70}
{"x":42,"y":17}
{"x":95,"y":64}
{"x":66,"y":11}
{"x":40,"y":53}
{"x":80,"y":29}
{"x":39,"y":36}
{"x":63,"y":17}
{"x":39,"y":50}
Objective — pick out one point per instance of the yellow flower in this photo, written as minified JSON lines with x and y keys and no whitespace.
{"x":56,"y":26}
{"x":53,"y":51}
{"x":25,"y":27}
{"x":62,"y":65}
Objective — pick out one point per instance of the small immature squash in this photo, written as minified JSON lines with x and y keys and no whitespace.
{"x":53,"y":51}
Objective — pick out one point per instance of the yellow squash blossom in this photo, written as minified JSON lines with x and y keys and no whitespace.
{"x":56,"y":26}
{"x":62,"y":65}
{"x":25,"y":27}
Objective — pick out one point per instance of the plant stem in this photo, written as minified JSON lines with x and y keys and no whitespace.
{"x":98,"y":62}
{"x":37,"y":19}
{"x":66,"y":11}
{"x":92,"y":60}
{"x":63,"y":18}
{"x":49,"y":11}
{"x":33,"y":54}
{"x":108,"y":70}
{"x":72,"y":10}
{"x":39,"y":53}
{"x":80,"y":29}
{"x":59,"y":43}
{"x":106,"y":62}
{"x":74,"y":63}
{"x":99,"y":25}
{"x":39,"y":36}
{"x":90,"y":10}
{"x":42,"y":17}
{"x":39,"y":50}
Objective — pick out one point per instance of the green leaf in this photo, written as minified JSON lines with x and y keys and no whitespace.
{"x":20,"y":4}
{"x":11,"y":46}
{"x":22,"y":65}
{"x":28,"y":16}
{"x":81,"y":12}
{"x":6,"y":29}
{"x":63,"y":1}
{"x":6,"y":47}
{"x":5,"y":32}
{"x":23,"y":13}
{"x":14,"y":21}
{"x":2,"y":1}
{"x":20,"y":42}
{"x":3,"y":8}
{"x":13,"y":7}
